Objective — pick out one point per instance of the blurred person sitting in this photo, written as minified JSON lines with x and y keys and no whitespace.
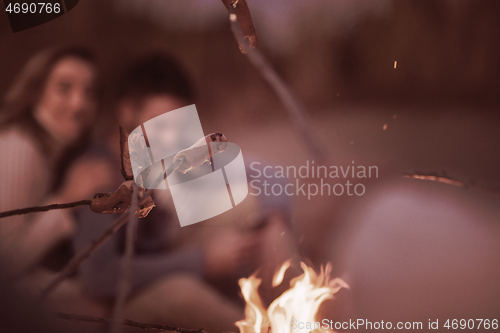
{"x":169,"y":274}
{"x":44,"y":122}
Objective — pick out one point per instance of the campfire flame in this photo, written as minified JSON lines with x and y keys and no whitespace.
{"x":300,"y":302}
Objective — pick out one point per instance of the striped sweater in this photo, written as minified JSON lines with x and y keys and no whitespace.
{"x":25,"y":182}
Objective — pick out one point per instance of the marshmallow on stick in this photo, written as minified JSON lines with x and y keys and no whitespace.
{"x":200,"y":152}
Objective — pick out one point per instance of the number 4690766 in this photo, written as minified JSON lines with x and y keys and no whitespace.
{"x":40,"y":7}
{"x":471,"y":324}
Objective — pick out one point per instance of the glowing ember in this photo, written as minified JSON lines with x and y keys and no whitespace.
{"x":300,"y":302}
{"x":438,"y":179}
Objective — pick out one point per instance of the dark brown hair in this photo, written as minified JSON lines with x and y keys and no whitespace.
{"x":155,"y":74}
{"x":26,"y":91}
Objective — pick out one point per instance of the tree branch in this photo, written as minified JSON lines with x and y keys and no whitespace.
{"x":37,"y":209}
{"x":73,"y":265}
{"x":124,"y":280}
{"x":284,"y":93}
{"x":126,"y":322}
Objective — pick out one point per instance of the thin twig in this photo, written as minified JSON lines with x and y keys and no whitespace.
{"x":73,"y":265}
{"x":295,"y":109}
{"x":144,"y":326}
{"x":284,"y":93}
{"x":125,"y":272}
{"x":37,"y":209}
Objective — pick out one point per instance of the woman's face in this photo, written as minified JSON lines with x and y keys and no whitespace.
{"x":67,"y":106}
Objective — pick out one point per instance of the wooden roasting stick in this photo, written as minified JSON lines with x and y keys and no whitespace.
{"x":190,"y":158}
{"x":38,"y":209}
{"x":119,"y":201}
{"x":126,"y":322}
{"x":103,"y":203}
{"x":196,"y":155}
{"x":243,"y":31}
{"x":77,"y":260}
{"x":123,"y":289}
{"x":245,"y":22}
{"x":190,"y":154}
{"x":239,"y":18}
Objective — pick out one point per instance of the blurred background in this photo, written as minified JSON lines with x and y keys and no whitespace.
{"x":440,"y":103}
{"x":435,"y":110}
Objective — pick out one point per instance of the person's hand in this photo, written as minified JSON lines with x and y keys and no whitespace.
{"x":227,"y":252}
{"x":85,"y":178}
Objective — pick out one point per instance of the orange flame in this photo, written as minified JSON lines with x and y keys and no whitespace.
{"x":256,"y":318}
{"x":300,"y":302}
